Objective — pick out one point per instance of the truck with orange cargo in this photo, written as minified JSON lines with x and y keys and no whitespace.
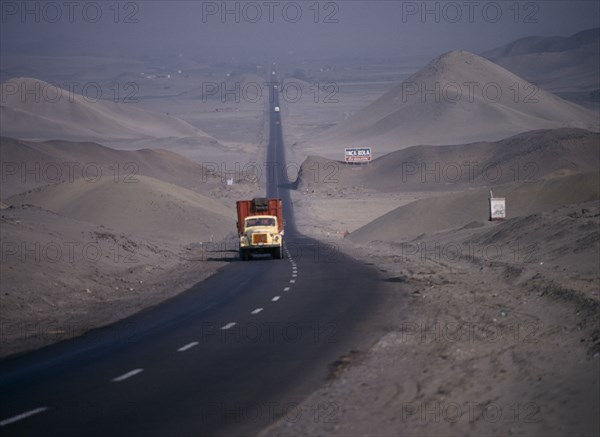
{"x":260,"y":227}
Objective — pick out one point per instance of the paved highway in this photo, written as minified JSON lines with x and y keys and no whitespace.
{"x":226,"y":357}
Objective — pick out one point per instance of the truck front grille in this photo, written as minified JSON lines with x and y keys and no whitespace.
{"x":259,"y":238}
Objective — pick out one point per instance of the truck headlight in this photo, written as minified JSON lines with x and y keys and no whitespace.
{"x":243,"y":240}
{"x":276,"y":238}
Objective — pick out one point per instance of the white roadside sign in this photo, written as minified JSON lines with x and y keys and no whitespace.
{"x":497,"y":208}
{"x":358,"y":154}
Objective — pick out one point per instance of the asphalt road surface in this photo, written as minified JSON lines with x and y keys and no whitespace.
{"x":227,"y":357}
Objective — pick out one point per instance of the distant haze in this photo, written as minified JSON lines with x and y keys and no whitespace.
{"x":264,"y":29}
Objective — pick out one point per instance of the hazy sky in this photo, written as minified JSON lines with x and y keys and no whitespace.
{"x":302,"y":28}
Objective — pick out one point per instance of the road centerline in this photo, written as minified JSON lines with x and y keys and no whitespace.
{"x":22,"y":416}
{"x":188,"y":346}
{"x":127,"y":375}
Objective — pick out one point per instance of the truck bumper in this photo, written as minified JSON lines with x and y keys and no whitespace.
{"x":275,"y":250}
{"x":263,"y":248}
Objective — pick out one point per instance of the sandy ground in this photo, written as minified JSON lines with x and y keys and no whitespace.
{"x":322,"y":212}
{"x":492,"y":339}
{"x":486,"y":328}
{"x":62,"y":277}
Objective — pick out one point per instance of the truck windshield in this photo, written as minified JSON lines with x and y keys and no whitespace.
{"x":260,"y":222}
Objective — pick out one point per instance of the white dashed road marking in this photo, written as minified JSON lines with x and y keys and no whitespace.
{"x":257,"y":310}
{"x":187,"y":346}
{"x":127,"y":375}
{"x":22,"y":416}
{"x":286,"y":289}
{"x":276,"y":298}
{"x":228,"y":326}
{"x":292,"y":281}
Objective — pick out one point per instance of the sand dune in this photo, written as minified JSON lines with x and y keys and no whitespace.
{"x":554,"y":63}
{"x":524,"y":157}
{"x":461,"y":209}
{"x":147,"y":207}
{"x":33,"y":109}
{"x":457,"y":98}
{"x":28,"y":164}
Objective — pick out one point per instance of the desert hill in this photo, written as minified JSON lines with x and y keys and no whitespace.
{"x":547,"y":44}
{"x":462,"y":209}
{"x":457,"y":98}
{"x":147,"y":207}
{"x":524,"y":157}
{"x":33,"y":109}
{"x":28,"y":164}
{"x":554,"y":63}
